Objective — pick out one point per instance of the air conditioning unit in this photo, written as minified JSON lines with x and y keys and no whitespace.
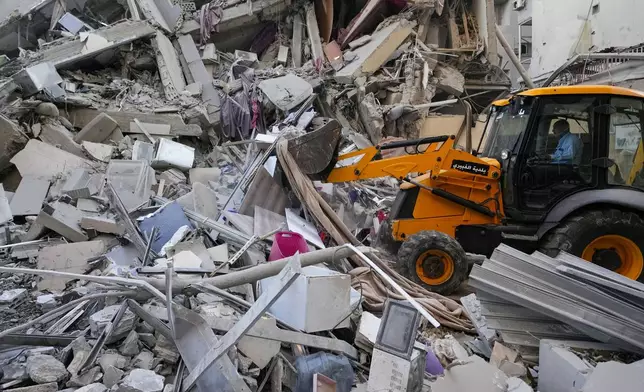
{"x":519,"y":4}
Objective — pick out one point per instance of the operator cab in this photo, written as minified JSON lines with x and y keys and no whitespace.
{"x":554,"y":142}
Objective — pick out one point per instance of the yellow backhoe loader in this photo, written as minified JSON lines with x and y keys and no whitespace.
{"x":560,"y":169}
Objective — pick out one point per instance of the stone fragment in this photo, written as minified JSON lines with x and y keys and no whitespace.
{"x":95,"y":387}
{"x":49,"y":387}
{"x":130,"y":345}
{"x":111,"y":376}
{"x":115,"y":360}
{"x":99,"y":320}
{"x":45,"y":368}
{"x":141,"y":380}
{"x":144,"y":360}
{"x":88,"y":377}
{"x":148,"y":339}
{"x":450,"y":80}
{"x":101,"y":128}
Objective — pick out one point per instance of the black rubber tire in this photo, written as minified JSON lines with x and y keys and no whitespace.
{"x":423,"y":241}
{"x":575,"y":233}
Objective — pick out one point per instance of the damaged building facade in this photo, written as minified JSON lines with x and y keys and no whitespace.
{"x":162,"y":229}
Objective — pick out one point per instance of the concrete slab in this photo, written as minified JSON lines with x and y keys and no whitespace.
{"x":169,"y":66}
{"x":88,"y":205}
{"x":267,"y":221}
{"x":5,"y":209}
{"x":99,"y":129}
{"x":77,"y":185}
{"x":29,"y":196}
{"x":59,"y":136}
{"x":66,"y":258}
{"x":615,"y":376}
{"x":562,"y":370}
{"x":102,"y":225}
{"x":12,"y":140}
{"x":153,"y":129}
{"x":80,"y":117}
{"x":100,"y":152}
{"x":286,"y":92}
{"x":373,"y":55}
{"x":64,"y":219}
{"x":260,"y":351}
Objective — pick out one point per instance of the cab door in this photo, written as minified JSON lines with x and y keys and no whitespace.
{"x":552,"y":166}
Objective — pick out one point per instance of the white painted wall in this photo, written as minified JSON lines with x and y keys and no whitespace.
{"x":562,"y":28}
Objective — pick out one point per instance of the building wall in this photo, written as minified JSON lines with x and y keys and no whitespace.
{"x":563,"y":28}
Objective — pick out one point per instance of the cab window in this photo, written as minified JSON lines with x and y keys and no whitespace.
{"x":625,"y":143}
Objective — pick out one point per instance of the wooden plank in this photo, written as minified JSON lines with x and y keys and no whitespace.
{"x":79,"y":117}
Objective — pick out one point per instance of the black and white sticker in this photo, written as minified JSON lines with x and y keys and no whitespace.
{"x":471,"y":167}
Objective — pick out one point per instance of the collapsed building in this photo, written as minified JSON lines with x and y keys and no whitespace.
{"x":159,"y":234}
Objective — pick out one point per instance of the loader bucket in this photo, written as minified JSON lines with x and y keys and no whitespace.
{"x":316,"y":151}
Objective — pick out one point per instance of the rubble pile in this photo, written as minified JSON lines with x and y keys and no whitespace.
{"x":160,"y":230}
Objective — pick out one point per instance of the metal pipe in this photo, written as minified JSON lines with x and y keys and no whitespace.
{"x":261,"y":271}
{"x":513,"y":57}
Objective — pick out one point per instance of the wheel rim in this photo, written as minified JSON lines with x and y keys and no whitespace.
{"x":616,"y":253}
{"x":434,"y":267}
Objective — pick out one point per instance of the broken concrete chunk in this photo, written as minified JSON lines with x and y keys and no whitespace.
{"x":147,"y":338}
{"x":286,"y":92}
{"x":152,"y":129}
{"x":507,"y":360}
{"x":209,"y":55}
{"x":168,"y":65}
{"x":77,"y":184}
{"x":66,"y":257}
{"x":248,"y":57}
{"x":12,"y":141}
{"x":373,"y":55}
{"x":14,"y":371}
{"x":29,"y":196}
{"x":101,"y":128}
{"x":111,"y":376}
{"x":100,"y":319}
{"x":88,"y":205}
{"x":201,"y":199}
{"x":5,"y":208}
{"x":86,"y":378}
{"x":57,"y":135}
{"x":193,"y":89}
{"x":95,"y":387}
{"x":100,"y":152}
{"x":49,"y":387}
{"x":450,"y":80}
{"x":372,"y":117}
{"x":41,"y":160}
{"x":141,"y":380}
{"x":64,"y":219}
{"x":144,"y":360}
{"x":45,"y":368}
{"x":115,"y":360}
{"x":12,"y":297}
{"x":46,"y":302}
{"x":130,"y":345}
{"x":102,"y":225}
